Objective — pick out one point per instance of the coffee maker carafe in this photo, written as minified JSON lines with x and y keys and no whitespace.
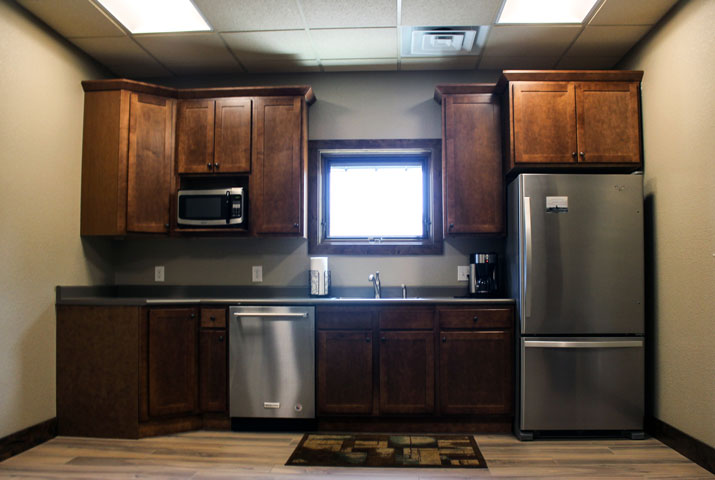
{"x":483,"y":273}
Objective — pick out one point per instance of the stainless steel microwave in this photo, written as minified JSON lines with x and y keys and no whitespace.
{"x":211,"y":208}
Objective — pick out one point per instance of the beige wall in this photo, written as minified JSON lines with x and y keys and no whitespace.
{"x":349,"y":106}
{"x":40,"y":135}
{"x":679,"y":142}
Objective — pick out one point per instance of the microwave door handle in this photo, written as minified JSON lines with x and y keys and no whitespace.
{"x":228,"y":207}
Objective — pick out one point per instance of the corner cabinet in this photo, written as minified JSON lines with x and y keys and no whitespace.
{"x":143,"y":142}
{"x":571,"y":120}
{"x":472,"y":185}
{"x":127,"y":159}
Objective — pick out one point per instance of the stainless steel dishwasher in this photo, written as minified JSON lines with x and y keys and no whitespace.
{"x":272,"y":362}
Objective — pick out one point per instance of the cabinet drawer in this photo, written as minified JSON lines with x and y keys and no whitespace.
{"x":213,"y":318}
{"x":344,"y":318}
{"x":474,"y":318}
{"x":407,"y":318}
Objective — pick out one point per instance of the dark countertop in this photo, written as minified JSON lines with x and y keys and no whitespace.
{"x":142,"y":295}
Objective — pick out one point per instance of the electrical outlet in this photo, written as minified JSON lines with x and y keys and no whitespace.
{"x":463,"y":273}
{"x":257,"y":273}
{"x":159,"y":273}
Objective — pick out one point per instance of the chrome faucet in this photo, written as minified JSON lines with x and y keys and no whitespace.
{"x":375,"y":279}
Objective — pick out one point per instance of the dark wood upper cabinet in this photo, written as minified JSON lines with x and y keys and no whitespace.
{"x":232,"y":151}
{"x":345,"y":372}
{"x":149,"y":163}
{"x":127,"y":157}
{"x":406,"y":372}
{"x":214,"y":136}
{"x":571,"y":119}
{"x":195,"y":136}
{"x":473,"y":190}
{"x":279,"y":175}
{"x":172,"y":345}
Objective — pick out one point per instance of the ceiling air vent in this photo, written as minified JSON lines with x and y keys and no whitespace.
{"x":442,"y":41}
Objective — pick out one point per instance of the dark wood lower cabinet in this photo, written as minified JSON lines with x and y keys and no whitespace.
{"x":172,"y":362}
{"x":406,"y":372}
{"x":213,"y":370}
{"x":475,"y":375}
{"x":345,"y":372}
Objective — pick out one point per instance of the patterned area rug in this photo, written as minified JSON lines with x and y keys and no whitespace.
{"x":380,"y":450}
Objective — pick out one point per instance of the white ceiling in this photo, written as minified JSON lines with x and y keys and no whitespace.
{"x":255,"y":36}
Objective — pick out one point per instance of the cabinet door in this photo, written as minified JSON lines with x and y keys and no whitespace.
{"x":195,"y":136}
{"x":608,"y":122}
{"x":213,"y":377}
{"x":172,"y":361}
{"x":544,"y":122}
{"x":475,"y":372}
{"x":149,"y":163}
{"x":345,"y":372}
{"x":232,"y":153}
{"x":472,"y":168}
{"x":279,"y":175}
{"x":406,"y":372}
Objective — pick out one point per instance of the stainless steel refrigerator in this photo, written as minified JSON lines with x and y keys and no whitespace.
{"x":575,"y":261}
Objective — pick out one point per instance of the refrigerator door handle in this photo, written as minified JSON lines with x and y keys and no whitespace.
{"x":527,"y":258}
{"x":583,"y":344}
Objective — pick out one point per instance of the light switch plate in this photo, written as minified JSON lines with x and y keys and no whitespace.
{"x":463,"y":273}
{"x":159,"y":273}
{"x":257,"y":273}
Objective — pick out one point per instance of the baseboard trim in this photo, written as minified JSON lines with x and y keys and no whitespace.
{"x":689,"y":447}
{"x":18,"y":442}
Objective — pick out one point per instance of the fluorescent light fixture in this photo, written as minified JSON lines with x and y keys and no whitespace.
{"x":545,"y":11}
{"x":156,"y":16}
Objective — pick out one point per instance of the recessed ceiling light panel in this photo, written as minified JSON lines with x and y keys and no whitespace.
{"x":156,"y":16}
{"x":545,"y":11}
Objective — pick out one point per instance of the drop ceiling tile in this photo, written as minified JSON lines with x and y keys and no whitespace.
{"x":607,"y":41}
{"x":73,"y":18}
{"x":190,"y":53}
{"x":355,"y":43}
{"x":449,"y":12}
{"x":496,"y":62}
{"x":122,"y":56}
{"x":525,"y":41}
{"x":439,"y":63}
{"x":349,"y":13}
{"x":631,"y":12}
{"x":251,"y":15}
{"x":275,"y":45}
{"x":258,"y":65}
{"x":362,"y":64}
{"x":582,"y":62}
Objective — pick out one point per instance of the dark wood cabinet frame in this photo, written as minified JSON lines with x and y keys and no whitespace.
{"x":431,"y":244}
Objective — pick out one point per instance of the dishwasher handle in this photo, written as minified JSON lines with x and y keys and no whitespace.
{"x":270,"y":314}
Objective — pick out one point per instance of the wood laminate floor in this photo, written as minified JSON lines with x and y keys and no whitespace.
{"x":261,"y":456}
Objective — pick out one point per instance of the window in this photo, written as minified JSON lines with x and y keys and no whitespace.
{"x":375,"y":196}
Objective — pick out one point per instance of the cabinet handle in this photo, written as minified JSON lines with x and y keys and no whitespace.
{"x":367,"y":339}
{"x":220,"y":338}
{"x":213,"y":319}
{"x":573,"y":154}
{"x":166,"y":225}
{"x":383,"y":339}
{"x":476,"y":319}
{"x":451,"y":226}
{"x":215,"y":165}
{"x":295,"y":225}
{"x":209,"y":165}
{"x":193,"y":315}
{"x":583,"y":155}
{"x":444,"y":339}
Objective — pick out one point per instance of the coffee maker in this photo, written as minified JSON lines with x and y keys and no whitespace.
{"x":483,"y":274}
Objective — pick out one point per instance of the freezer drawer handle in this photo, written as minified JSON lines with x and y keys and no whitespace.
{"x":269,"y":314}
{"x":600,"y":344}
